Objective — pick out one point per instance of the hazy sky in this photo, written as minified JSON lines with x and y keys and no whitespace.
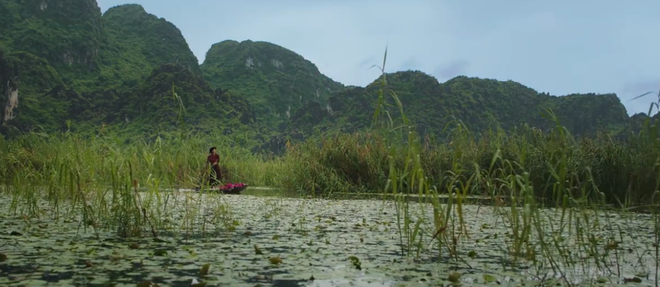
{"x":559,"y":46}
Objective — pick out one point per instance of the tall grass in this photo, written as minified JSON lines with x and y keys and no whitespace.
{"x":109,"y":185}
{"x":529,"y":170}
{"x":621,"y":171}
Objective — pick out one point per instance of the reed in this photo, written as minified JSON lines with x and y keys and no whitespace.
{"x":551,"y":192}
{"x":523,"y":173}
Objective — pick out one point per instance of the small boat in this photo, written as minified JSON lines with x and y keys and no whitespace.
{"x":231,"y":189}
{"x":226,"y":189}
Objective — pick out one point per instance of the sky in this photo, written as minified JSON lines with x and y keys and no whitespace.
{"x":560,"y":46}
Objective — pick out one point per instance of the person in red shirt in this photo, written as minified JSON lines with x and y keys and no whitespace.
{"x":213,"y":159}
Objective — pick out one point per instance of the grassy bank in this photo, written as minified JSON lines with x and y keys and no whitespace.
{"x":557,"y":165}
{"x":623,"y":173}
{"x":558,"y":169}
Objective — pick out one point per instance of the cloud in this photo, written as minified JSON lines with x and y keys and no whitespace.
{"x":368,"y":62}
{"x":410,"y":64}
{"x":642,"y":87}
{"x":639,"y":88}
{"x":456,"y":68}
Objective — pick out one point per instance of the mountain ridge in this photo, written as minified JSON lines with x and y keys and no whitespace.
{"x":127,"y":57}
{"x":276,"y":80}
{"x":481,"y":104}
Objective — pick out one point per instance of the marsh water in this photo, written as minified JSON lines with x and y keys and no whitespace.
{"x":257,"y":240}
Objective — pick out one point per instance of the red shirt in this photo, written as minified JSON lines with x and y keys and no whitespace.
{"x":212,"y":158}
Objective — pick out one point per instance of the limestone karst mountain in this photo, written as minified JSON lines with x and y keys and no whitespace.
{"x":64,"y":65}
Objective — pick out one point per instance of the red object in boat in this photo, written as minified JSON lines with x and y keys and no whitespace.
{"x":233,"y":188}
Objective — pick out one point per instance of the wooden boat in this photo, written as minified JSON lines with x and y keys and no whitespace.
{"x":235,"y":190}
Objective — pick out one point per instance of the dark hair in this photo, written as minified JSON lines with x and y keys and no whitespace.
{"x":211,"y":150}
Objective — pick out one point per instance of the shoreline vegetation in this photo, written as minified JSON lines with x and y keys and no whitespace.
{"x":108,"y":185}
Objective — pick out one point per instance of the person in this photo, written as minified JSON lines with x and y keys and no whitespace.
{"x":213,"y":159}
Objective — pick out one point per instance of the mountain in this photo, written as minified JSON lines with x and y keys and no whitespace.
{"x":482,"y":104}
{"x":139,"y":42}
{"x":173,"y":95}
{"x":41,"y":103}
{"x":66,"y":33}
{"x":64,"y":62}
{"x":64,"y":65}
{"x":275,"y":80}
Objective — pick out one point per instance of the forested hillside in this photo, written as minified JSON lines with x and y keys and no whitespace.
{"x":66,"y":66}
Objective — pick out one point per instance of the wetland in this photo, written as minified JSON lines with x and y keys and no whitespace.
{"x":383,"y":207}
{"x":262,"y":240}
